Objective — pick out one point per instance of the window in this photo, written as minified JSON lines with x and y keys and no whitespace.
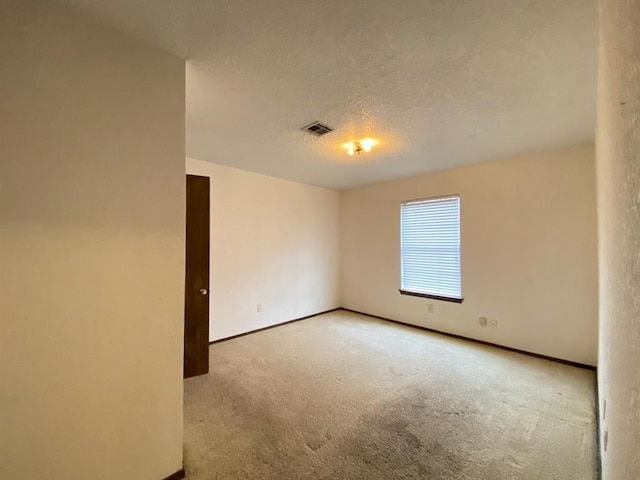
{"x":430,"y":248}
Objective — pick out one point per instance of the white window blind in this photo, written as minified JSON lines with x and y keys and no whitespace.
{"x":430,"y":247}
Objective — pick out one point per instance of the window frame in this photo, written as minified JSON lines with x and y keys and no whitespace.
{"x":411,"y":293}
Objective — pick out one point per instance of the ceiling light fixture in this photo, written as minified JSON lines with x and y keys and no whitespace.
{"x":360,"y":146}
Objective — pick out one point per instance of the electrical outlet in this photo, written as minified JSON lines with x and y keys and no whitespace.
{"x":258,"y":307}
{"x":482,"y":321}
{"x":429,"y":307}
{"x":493,"y":323}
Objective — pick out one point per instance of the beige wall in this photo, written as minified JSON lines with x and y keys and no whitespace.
{"x":618,"y":152}
{"x":274,"y":243}
{"x":91,"y":248}
{"x":528,"y":252}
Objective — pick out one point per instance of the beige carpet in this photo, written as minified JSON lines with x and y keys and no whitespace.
{"x":345,"y":396}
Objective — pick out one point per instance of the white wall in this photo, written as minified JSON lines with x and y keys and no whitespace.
{"x":618,"y":152}
{"x":528,"y":252}
{"x":91,"y":248}
{"x":273,"y":242}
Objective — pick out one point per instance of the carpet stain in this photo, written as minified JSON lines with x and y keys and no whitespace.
{"x":394,"y":437}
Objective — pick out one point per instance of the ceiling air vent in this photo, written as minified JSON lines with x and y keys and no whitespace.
{"x":317,"y":128}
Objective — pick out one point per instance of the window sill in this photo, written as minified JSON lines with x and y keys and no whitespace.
{"x":434,"y":297}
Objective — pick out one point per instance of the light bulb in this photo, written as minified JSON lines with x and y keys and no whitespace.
{"x":351,"y":151}
{"x":367,"y":144}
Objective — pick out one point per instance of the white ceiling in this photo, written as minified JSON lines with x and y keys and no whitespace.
{"x":440,"y":83}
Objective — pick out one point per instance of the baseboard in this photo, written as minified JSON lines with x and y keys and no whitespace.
{"x":273,"y":326}
{"x":461,"y":337}
{"x":180,"y":474}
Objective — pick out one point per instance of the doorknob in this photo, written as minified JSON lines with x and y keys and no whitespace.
{"x":203,"y":291}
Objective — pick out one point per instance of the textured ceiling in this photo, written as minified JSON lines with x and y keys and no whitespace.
{"x":440,"y":83}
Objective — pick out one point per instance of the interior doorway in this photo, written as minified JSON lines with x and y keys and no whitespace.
{"x":196,"y":301}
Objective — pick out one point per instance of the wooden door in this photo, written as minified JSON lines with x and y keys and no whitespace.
{"x":196,"y":302}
